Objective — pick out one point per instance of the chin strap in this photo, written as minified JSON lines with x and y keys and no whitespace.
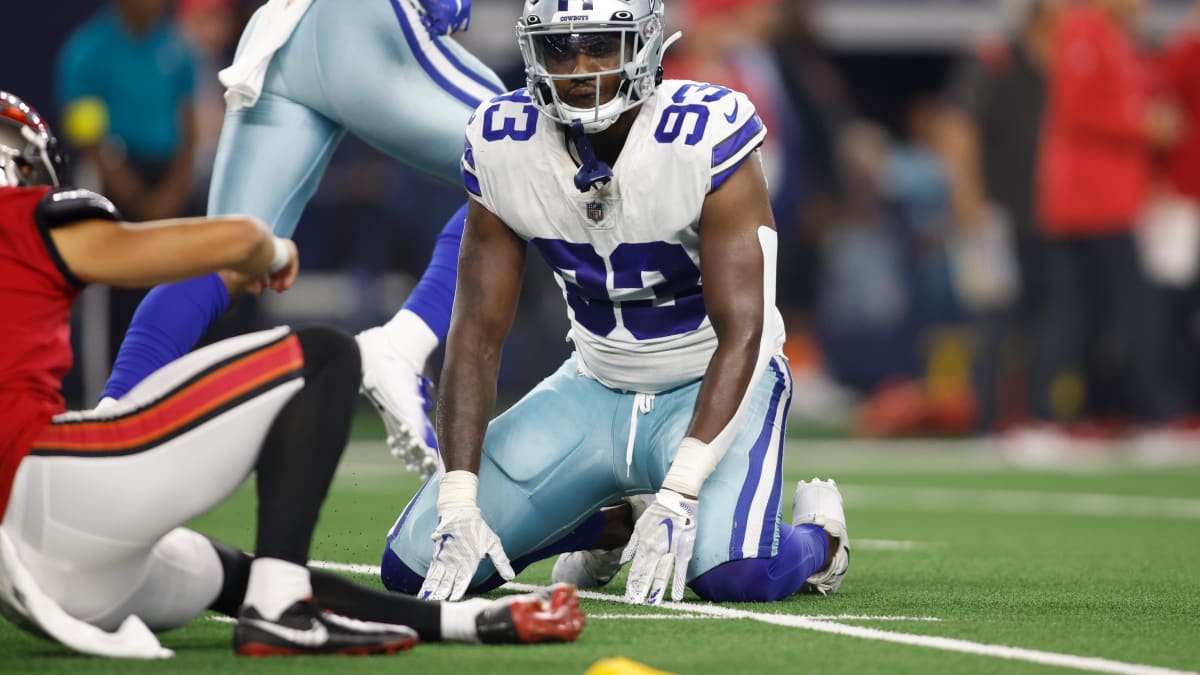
{"x":592,"y":172}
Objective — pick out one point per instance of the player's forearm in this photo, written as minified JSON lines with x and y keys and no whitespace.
{"x":140,"y":255}
{"x":467,"y":395}
{"x":725,"y":384}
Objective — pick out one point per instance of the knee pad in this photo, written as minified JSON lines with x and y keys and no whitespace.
{"x":182,"y":578}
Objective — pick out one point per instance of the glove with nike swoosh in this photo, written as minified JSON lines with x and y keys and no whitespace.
{"x":460,"y":541}
{"x":663,"y":539}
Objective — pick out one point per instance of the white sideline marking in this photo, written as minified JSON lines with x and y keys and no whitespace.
{"x":645,"y":617}
{"x":824,"y":625}
{"x":885,"y":545}
{"x":353,"y":568}
{"x":830,"y":617}
{"x":945,"y":644}
{"x":1023,"y":501}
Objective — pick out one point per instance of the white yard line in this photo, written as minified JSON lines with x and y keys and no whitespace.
{"x":886,"y":545}
{"x":824,"y":625}
{"x":945,"y":644}
{"x":1021,"y":501}
{"x":646,"y":617}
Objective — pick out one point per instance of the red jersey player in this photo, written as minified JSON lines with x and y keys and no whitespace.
{"x":92,"y":503}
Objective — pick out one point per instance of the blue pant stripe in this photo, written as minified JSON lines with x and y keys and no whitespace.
{"x":479,"y":79}
{"x":767,"y":542}
{"x":430,"y":69}
{"x":758,"y":454}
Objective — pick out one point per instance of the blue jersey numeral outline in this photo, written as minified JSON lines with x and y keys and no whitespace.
{"x":675,"y":116}
{"x":678,"y":306}
{"x":507,"y":127}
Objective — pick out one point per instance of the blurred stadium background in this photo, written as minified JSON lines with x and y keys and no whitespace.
{"x":902,"y":158}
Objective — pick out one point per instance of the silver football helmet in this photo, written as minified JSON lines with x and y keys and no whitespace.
{"x":29,"y":153}
{"x":552,"y":31}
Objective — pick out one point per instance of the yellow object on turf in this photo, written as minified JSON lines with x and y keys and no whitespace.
{"x":85,"y":121}
{"x":622,"y":666}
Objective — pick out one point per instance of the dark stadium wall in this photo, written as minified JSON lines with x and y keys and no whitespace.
{"x":34,"y":31}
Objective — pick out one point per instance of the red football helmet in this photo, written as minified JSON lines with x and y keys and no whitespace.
{"x":29,"y":153}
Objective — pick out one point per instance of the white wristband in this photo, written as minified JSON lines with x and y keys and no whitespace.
{"x":283,"y":255}
{"x":457,"y":491}
{"x":694,"y":461}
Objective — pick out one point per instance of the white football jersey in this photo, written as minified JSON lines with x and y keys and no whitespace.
{"x":627,"y":255}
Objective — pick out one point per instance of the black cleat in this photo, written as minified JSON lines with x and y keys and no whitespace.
{"x":304,"y":629}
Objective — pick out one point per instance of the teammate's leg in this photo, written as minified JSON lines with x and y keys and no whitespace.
{"x":394,"y":354}
{"x":269,"y":161}
{"x":418,"y":117}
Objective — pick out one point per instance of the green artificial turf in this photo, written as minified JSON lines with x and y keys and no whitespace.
{"x":1003,"y":556}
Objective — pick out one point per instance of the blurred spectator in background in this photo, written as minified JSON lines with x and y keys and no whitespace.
{"x":909,"y":360}
{"x":864,"y":305}
{"x":726,"y":43}
{"x":993,"y":151}
{"x":126,"y":81}
{"x":1093,"y":180}
{"x":210,"y":27}
{"x":767,"y":49}
{"x":821,"y":105}
{"x":125,"y":85}
{"x":1182,"y":74}
{"x":1177,"y":207}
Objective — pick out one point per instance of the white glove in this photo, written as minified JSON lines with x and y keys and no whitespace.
{"x":662,"y":538}
{"x":460,"y":541}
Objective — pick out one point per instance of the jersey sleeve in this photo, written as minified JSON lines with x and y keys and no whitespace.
{"x":59,"y":208}
{"x":494,"y":132}
{"x":468,"y":169}
{"x":735,"y":131}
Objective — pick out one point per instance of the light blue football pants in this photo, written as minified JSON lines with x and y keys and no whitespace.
{"x":559,"y":454}
{"x":364,"y":66}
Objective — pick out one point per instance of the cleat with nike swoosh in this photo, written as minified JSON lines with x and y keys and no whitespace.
{"x":547,"y":615}
{"x":303,"y":629}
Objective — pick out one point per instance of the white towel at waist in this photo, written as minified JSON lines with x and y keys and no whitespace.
{"x":275,"y":23}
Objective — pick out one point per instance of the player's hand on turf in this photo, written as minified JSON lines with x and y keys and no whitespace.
{"x":663,"y":539}
{"x":461,"y":540}
{"x":443,"y":17}
{"x":282,"y":279}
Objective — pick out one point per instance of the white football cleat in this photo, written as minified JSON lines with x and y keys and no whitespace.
{"x":587,"y":569}
{"x":401,"y":395}
{"x":820,"y":503}
{"x":593,"y":569}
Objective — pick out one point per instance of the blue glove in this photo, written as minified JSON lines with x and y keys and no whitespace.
{"x":443,"y":17}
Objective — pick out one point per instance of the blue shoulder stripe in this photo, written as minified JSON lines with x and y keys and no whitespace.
{"x":720,"y":178}
{"x":735,"y":143}
{"x":470,"y":181}
{"x":468,"y":154}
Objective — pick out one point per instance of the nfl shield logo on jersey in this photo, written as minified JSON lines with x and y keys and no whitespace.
{"x":595,"y":211}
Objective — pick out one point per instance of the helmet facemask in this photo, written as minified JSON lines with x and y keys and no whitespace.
{"x":625,"y":46}
{"x":29,"y":154}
